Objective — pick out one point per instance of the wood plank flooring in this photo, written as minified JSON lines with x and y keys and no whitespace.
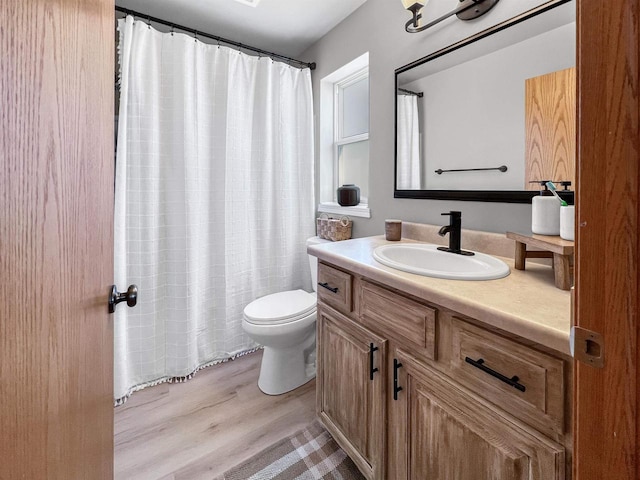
{"x":201,"y":428}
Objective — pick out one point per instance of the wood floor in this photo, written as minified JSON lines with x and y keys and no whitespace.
{"x":201,"y":428}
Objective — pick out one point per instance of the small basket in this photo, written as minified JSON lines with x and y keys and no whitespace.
{"x":334,"y":229}
{"x":322,"y":225}
{"x":339,"y":229}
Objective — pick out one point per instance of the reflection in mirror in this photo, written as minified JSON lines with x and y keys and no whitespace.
{"x":408,"y":137}
{"x":490,"y":114}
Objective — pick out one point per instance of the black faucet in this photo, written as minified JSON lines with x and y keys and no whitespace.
{"x":454,"y":229}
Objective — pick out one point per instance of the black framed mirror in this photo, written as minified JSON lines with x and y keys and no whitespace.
{"x":467,"y":121}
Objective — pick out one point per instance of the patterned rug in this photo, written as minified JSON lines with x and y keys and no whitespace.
{"x":310,"y":454}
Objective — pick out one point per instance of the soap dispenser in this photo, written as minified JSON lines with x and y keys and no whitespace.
{"x":545,"y":212}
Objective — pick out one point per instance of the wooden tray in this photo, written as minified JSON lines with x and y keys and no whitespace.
{"x":561,"y":251}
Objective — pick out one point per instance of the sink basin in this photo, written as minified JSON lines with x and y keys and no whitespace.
{"x":426,"y":259}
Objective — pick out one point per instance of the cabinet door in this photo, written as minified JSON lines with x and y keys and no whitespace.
{"x":442,"y":432}
{"x":350,"y":389}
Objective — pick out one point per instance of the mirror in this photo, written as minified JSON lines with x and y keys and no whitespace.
{"x":482,"y":118}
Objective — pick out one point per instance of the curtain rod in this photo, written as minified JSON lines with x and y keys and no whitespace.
{"x":198,"y":33}
{"x":409,"y":92}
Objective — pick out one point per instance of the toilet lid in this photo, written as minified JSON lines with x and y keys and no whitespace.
{"x":281,"y":307}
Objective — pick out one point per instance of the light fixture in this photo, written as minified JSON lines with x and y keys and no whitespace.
{"x":467,"y":10}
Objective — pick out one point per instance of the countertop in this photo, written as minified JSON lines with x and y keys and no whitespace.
{"x":525,"y":303}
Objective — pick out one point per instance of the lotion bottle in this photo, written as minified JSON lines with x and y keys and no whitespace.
{"x":545,"y":212}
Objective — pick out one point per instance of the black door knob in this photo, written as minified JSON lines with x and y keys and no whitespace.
{"x":130,"y":296}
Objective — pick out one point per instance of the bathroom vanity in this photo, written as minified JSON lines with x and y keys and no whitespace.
{"x":422,"y":378}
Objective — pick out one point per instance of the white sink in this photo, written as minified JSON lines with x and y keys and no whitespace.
{"x":426,"y":259}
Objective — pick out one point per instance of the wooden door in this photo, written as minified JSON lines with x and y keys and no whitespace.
{"x":446,"y":433}
{"x":56,"y":238}
{"x":550,"y":128}
{"x":350,"y":396}
{"x":606,"y":424}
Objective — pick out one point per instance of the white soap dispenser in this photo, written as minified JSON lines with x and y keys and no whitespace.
{"x":545,"y":212}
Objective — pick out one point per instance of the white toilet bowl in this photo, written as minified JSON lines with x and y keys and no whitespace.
{"x":285,"y":324}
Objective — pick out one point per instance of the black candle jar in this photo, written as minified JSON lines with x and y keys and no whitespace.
{"x":348,"y":195}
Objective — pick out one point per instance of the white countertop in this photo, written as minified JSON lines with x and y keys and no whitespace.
{"x":525,"y":303}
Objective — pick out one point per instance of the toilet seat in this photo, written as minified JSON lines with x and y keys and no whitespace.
{"x":280,"y":308}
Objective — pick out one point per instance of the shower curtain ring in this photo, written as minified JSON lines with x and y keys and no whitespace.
{"x":195,"y":35}
{"x":149,"y":23}
{"x":172,"y":29}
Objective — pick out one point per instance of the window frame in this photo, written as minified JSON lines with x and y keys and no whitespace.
{"x":340,"y":80}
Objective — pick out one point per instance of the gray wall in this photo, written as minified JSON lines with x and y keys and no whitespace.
{"x":378,"y":27}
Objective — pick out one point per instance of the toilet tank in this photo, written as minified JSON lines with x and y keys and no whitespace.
{"x":313,"y":261}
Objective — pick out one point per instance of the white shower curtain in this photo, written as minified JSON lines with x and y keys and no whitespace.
{"x":409,"y":166}
{"x":214,"y":198}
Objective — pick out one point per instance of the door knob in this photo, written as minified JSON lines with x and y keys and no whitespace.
{"x":131,"y":297}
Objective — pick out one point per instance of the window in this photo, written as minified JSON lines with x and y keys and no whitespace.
{"x":351,"y":141}
{"x":344,"y":136}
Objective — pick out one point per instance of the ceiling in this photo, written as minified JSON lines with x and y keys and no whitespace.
{"x":287,"y":27}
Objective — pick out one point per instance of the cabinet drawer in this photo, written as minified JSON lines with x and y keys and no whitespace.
{"x":399,"y":317}
{"x":335,"y":288}
{"x":526,"y":383}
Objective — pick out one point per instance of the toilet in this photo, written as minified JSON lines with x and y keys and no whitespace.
{"x":285,"y":324}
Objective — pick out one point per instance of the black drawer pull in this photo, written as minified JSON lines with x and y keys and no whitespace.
{"x":513,"y":381}
{"x":326,"y":285}
{"x":396,"y":387}
{"x":371,"y":369}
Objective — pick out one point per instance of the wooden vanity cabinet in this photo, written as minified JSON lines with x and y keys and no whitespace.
{"x":412,"y":391}
{"x":437,"y":430}
{"x":351,"y":389}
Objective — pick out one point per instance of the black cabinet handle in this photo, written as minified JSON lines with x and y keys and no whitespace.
{"x":326,"y":285}
{"x":396,"y":387}
{"x":513,"y":381}
{"x":371,"y":369}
